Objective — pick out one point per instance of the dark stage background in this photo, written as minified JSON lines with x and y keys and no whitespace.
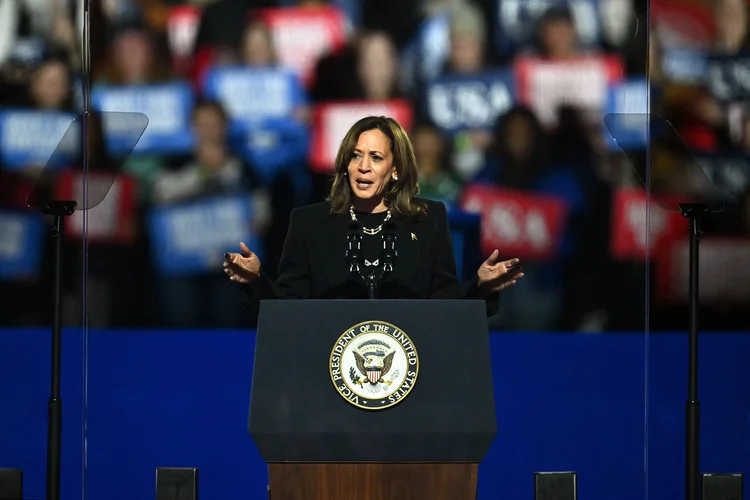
{"x":180,"y":398}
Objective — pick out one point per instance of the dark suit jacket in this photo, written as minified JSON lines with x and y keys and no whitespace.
{"x":313,"y":264}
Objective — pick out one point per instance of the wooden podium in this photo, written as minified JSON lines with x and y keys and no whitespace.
{"x":373,"y":481}
{"x":319,"y":445}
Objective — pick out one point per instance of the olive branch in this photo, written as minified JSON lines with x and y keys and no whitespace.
{"x":353,"y":376}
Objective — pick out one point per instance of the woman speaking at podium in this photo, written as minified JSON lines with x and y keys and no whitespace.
{"x":372,"y":237}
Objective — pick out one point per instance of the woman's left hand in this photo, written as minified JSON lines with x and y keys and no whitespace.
{"x":494,"y":276}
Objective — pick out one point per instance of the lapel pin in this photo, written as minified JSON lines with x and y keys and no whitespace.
{"x":413,"y":237}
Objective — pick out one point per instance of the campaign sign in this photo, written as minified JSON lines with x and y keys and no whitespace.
{"x":629,"y":101}
{"x":331,"y":122}
{"x":21,"y":244}
{"x":684,"y":66}
{"x":167,"y":107}
{"x":423,"y":57}
{"x":28,"y":138}
{"x":723,"y":275}
{"x":182,"y":29}
{"x":192,"y":238}
{"x":470,"y":102}
{"x":253,"y":95}
{"x":728,"y":78}
{"x":111,"y":216}
{"x":517,"y":21}
{"x":352,"y":8}
{"x":303,"y":35}
{"x":275,"y":146}
{"x":582,"y":83}
{"x":518,"y":224}
{"x":632,"y":214}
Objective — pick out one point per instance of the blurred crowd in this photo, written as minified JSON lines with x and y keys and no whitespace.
{"x":532,"y":113}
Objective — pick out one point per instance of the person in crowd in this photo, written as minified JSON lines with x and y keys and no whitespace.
{"x":377,"y":63}
{"x":258,"y":48}
{"x":212,"y":170}
{"x":51,"y":86}
{"x":374,"y":190}
{"x":135,"y":58}
{"x":466,"y":57}
{"x":558,"y":38}
{"x":436,"y":179}
{"x":731,"y":18}
{"x":521,"y":161}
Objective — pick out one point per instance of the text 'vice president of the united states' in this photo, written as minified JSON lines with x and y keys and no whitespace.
{"x":372,"y":237}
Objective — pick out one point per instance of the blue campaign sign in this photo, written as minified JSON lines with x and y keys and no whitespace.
{"x":192,"y":238}
{"x":261,"y":103}
{"x":274,"y":146}
{"x":423,"y":57}
{"x":684,"y":66}
{"x":253,"y":95}
{"x":469,"y":102}
{"x":627,"y":114}
{"x":21,"y":244}
{"x":517,"y":20}
{"x":728,"y":78}
{"x":29,"y":137}
{"x":167,"y":107}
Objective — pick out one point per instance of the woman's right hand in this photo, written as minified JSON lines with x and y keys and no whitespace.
{"x":242,"y":267}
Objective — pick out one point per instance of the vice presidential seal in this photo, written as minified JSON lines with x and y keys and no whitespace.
{"x":374,"y":365}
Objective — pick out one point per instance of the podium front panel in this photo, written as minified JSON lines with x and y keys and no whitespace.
{"x":297,"y":413}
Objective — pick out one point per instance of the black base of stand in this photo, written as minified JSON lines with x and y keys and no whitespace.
{"x":58,"y":209}
{"x":694,"y":212}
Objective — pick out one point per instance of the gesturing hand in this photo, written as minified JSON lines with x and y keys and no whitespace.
{"x":495,"y":276}
{"x":242,"y":267}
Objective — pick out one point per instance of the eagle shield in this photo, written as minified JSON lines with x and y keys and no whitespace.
{"x":374,"y":360}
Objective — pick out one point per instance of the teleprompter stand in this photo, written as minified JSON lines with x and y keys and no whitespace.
{"x":320,"y":446}
{"x":694,"y":213}
{"x":58,"y":209}
{"x":701,"y":199}
{"x":94,"y":143}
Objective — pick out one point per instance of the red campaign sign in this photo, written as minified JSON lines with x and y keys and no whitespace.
{"x":582,"y":82}
{"x":724,"y":271}
{"x":113,"y":219}
{"x":683,"y":22}
{"x":182,"y":30}
{"x":303,"y":35}
{"x":518,"y":224}
{"x":628,"y":227}
{"x":331,"y":122}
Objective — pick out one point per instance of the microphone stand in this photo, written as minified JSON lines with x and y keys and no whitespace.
{"x":694,"y":212}
{"x":356,"y":260}
{"x":372,"y":286}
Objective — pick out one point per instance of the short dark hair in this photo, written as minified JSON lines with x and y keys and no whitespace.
{"x":212,"y":105}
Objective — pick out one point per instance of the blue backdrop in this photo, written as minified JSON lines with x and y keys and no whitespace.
{"x":564,"y":402}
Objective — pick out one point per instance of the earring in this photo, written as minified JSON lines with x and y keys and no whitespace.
{"x":395,"y":177}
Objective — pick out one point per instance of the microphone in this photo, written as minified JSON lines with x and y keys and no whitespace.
{"x":354,"y":256}
{"x":389,"y":254}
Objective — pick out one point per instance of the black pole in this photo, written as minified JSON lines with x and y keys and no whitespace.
{"x":58,"y":209}
{"x":694,"y":212}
